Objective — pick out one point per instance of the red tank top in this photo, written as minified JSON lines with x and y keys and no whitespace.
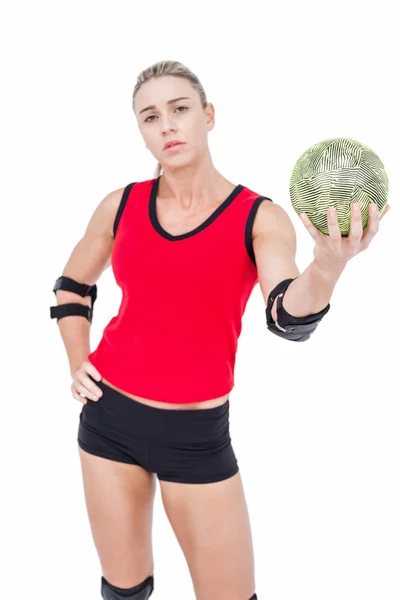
{"x":183,"y":296}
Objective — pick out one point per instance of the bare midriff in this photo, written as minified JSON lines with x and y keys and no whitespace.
{"x":191,"y":406}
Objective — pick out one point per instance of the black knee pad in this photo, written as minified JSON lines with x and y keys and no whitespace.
{"x":254,"y":597}
{"x":142,"y":591}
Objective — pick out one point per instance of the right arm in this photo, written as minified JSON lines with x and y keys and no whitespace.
{"x":89,"y":258}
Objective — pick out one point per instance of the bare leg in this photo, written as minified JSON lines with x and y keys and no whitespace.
{"x":212,"y":526}
{"x":119,"y":499}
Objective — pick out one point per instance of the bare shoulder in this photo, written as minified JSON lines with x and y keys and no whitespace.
{"x":271,"y":219}
{"x":102,"y":220}
{"x":114,"y":198}
{"x":112,"y":202}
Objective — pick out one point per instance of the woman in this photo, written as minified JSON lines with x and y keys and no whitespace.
{"x":187,"y":248}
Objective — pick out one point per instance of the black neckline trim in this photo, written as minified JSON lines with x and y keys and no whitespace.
{"x":206,"y":223}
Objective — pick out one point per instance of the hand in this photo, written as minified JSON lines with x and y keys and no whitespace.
{"x":82,"y":386}
{"x":333,"y":250}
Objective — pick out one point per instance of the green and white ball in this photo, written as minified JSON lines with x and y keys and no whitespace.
{"x":338,"y":172}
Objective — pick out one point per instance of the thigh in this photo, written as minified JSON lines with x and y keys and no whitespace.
{"x":212,"y":525}
{"x":119,"y":500}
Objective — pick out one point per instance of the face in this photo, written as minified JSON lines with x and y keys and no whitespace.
{"x":184,"y":120}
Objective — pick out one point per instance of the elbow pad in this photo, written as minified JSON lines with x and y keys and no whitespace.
{"x":295,"y":329}
{"x":65,"y":310}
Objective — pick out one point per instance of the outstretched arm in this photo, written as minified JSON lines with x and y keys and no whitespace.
{"x":274,"y":244}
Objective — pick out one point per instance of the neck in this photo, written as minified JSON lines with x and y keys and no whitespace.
{"x":191,"y":188}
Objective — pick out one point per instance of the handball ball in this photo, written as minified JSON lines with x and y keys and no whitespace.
{"x":338,"y":172}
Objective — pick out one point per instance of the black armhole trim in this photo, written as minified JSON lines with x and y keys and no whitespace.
{"x":121,"y":206}
{"x":249,"y":227}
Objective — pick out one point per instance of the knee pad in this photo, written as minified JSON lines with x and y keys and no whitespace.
{"x":142,"y":591}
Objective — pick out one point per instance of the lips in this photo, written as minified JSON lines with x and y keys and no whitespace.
{"x":172,"y":143}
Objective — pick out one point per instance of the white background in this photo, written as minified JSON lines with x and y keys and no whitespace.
{"x":315,"y":426}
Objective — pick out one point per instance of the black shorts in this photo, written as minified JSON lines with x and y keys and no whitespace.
{"x":181,"y":445}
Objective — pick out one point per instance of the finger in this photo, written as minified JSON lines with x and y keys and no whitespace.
{"x":85,"y":391}
{"x":356,"y":230}
{"x":92,"y":370}
{"x":85,"y":380}
{"x":387,"y":208}
{"x":89,"y":383}
{"x":373,"y":225}
{"x":77,"y":396}
{"x":334,"y":229}
{"x":313,"y":231}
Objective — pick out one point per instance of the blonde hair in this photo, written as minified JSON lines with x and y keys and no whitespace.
{"x":176,"y":69}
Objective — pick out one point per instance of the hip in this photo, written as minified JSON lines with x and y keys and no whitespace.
{"x":116,"y":410}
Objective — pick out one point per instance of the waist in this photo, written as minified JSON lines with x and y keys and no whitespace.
{"x":213,"y":403}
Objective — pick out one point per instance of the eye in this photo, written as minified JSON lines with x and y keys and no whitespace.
{"x":147,"y":120}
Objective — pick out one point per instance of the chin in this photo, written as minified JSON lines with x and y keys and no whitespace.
{"x":177,"y":161}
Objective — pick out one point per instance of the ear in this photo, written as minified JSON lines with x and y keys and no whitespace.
{"x":210,"y":115}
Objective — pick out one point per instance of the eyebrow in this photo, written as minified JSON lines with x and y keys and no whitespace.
{"x":152,"y":107}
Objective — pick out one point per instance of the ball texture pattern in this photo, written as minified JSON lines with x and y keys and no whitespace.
{"x":338,"y":172}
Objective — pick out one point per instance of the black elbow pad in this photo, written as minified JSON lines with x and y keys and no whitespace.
{"x":65,"y":310}
{"x":295,"y":329}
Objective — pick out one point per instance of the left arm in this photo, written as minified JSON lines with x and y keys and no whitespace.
{"x":274,"y":244}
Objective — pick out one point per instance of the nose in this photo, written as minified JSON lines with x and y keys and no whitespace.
{"x":167,"y":126}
